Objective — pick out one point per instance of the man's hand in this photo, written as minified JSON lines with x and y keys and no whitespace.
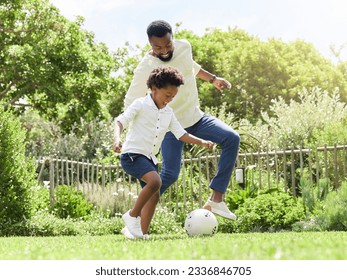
{"x":221,"y":84}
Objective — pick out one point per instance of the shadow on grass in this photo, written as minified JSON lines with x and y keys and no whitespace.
{"x":161,"y":237}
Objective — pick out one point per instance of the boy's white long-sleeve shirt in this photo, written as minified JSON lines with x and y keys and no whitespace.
{"x":147,"y":126}
{"x":186,"y":102}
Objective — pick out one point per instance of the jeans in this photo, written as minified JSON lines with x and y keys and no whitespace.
{"x":207,"y":128}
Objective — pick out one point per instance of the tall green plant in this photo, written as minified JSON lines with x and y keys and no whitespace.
{"x":312,"y":195}
{"x":333,"y":213}
{"x":17,"y":174}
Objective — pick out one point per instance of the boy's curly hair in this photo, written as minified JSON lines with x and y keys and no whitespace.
{"x":162,"y":77}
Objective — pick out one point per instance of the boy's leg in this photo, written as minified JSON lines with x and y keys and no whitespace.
{"x":153,"y":183}
{"x":171,"y":151}
{"x":132,"y":218}
{"x":148,"y":212}
{"x":144,"y":169}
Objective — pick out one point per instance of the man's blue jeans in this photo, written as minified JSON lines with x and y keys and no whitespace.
{"x":208,"y":128}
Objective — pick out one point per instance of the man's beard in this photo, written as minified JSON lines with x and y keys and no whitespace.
{"x":165,"y":59}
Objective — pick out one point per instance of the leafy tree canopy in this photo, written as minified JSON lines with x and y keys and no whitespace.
{"x":261,"y":71}
{"x":51,"y":63}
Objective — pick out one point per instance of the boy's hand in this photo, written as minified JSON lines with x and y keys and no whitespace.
{"x":207,"y":144}
{"x":117,"y":146}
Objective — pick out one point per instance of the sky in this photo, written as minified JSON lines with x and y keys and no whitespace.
{"x":115,"y":22}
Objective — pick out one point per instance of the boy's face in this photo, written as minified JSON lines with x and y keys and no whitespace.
{"x":162,"y":96}
{"x":162,"y":47}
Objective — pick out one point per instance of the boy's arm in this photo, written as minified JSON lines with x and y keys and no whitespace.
{"x":117,"y":142}
{"x":182,"y":135}
{"x":188,"y":138}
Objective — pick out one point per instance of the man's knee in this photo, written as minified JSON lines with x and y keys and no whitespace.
{"x":233,"y":138}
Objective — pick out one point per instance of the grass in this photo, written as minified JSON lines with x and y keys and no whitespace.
{"x":251,"y":246}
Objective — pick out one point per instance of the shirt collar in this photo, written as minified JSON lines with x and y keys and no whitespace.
{"x":149,"y":101}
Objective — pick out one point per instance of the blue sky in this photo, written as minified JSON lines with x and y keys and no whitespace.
{"x":114,"y":22}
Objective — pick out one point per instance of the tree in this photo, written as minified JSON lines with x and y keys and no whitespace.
{"x":51,"y":63}
{"x":260,"y":71}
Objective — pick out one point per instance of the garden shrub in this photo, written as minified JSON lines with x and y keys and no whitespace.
{"x":312,"y":194}
{"x":332,"y":214}
{"x":70,"y":203}
{"x":17,"y":174}
{"x":47,"y":224}
{"x":40,"y":199}
{"x":165,"y":222}
{"x":269,"y":212}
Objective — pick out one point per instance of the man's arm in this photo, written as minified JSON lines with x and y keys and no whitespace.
{"x":138,"y":87}
{"x":218,"y":82}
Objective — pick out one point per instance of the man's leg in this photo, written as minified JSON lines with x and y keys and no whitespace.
{"x":171,"y":151}
{"x":213,"y":129}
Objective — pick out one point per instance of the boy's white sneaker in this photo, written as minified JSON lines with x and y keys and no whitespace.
{"x":133,"y":224}
{"x":219,"y":208}
{"x":146,"y":236}
{"x":127,"y":233}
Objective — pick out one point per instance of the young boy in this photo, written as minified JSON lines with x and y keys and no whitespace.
{"x":148,"y":119}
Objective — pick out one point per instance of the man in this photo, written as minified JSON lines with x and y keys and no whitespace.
{"x":178,"y":53}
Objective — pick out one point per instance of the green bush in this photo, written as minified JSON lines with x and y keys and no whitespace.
{"x":318,"y":117}
{"x":87,"y":140}
{"x":47,"y":224}
{"x":332,"y":214}
{"x":40,"y":199}
{"x":312,"y":194}
{"x":165,"y":222}
{"x":70,"y":203}
{"x":269,"y":212}
{"x":17,"y":174}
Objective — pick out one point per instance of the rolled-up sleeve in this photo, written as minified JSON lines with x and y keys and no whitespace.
{"x":129,"y":114}
{"x":176,"y":128}
{"x":196,"y":68}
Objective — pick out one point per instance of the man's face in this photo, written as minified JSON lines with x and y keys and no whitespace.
{"x":162,"y":47}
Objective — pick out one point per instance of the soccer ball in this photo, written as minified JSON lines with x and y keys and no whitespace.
{"x":201,"y":222}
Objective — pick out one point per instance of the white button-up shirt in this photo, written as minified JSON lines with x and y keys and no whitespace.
{"x":186,"y":102}
{"x":147,"y":126}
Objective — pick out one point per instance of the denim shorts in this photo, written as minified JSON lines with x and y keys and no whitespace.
{"x":137,"y":165}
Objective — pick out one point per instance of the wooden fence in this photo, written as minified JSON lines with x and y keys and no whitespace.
{"x":264,"y":169}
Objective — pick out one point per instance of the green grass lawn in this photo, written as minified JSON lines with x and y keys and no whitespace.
{"x":251,"y":246}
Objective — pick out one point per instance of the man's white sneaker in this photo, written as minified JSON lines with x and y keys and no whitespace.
{"x":127,"y":233}
{"x":133,"y":224}
{"x":219,"y":208}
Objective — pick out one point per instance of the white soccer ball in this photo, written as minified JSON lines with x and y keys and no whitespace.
{"x":201,"y":222}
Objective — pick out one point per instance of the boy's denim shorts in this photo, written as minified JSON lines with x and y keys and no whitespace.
{"x":137,"y":165}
